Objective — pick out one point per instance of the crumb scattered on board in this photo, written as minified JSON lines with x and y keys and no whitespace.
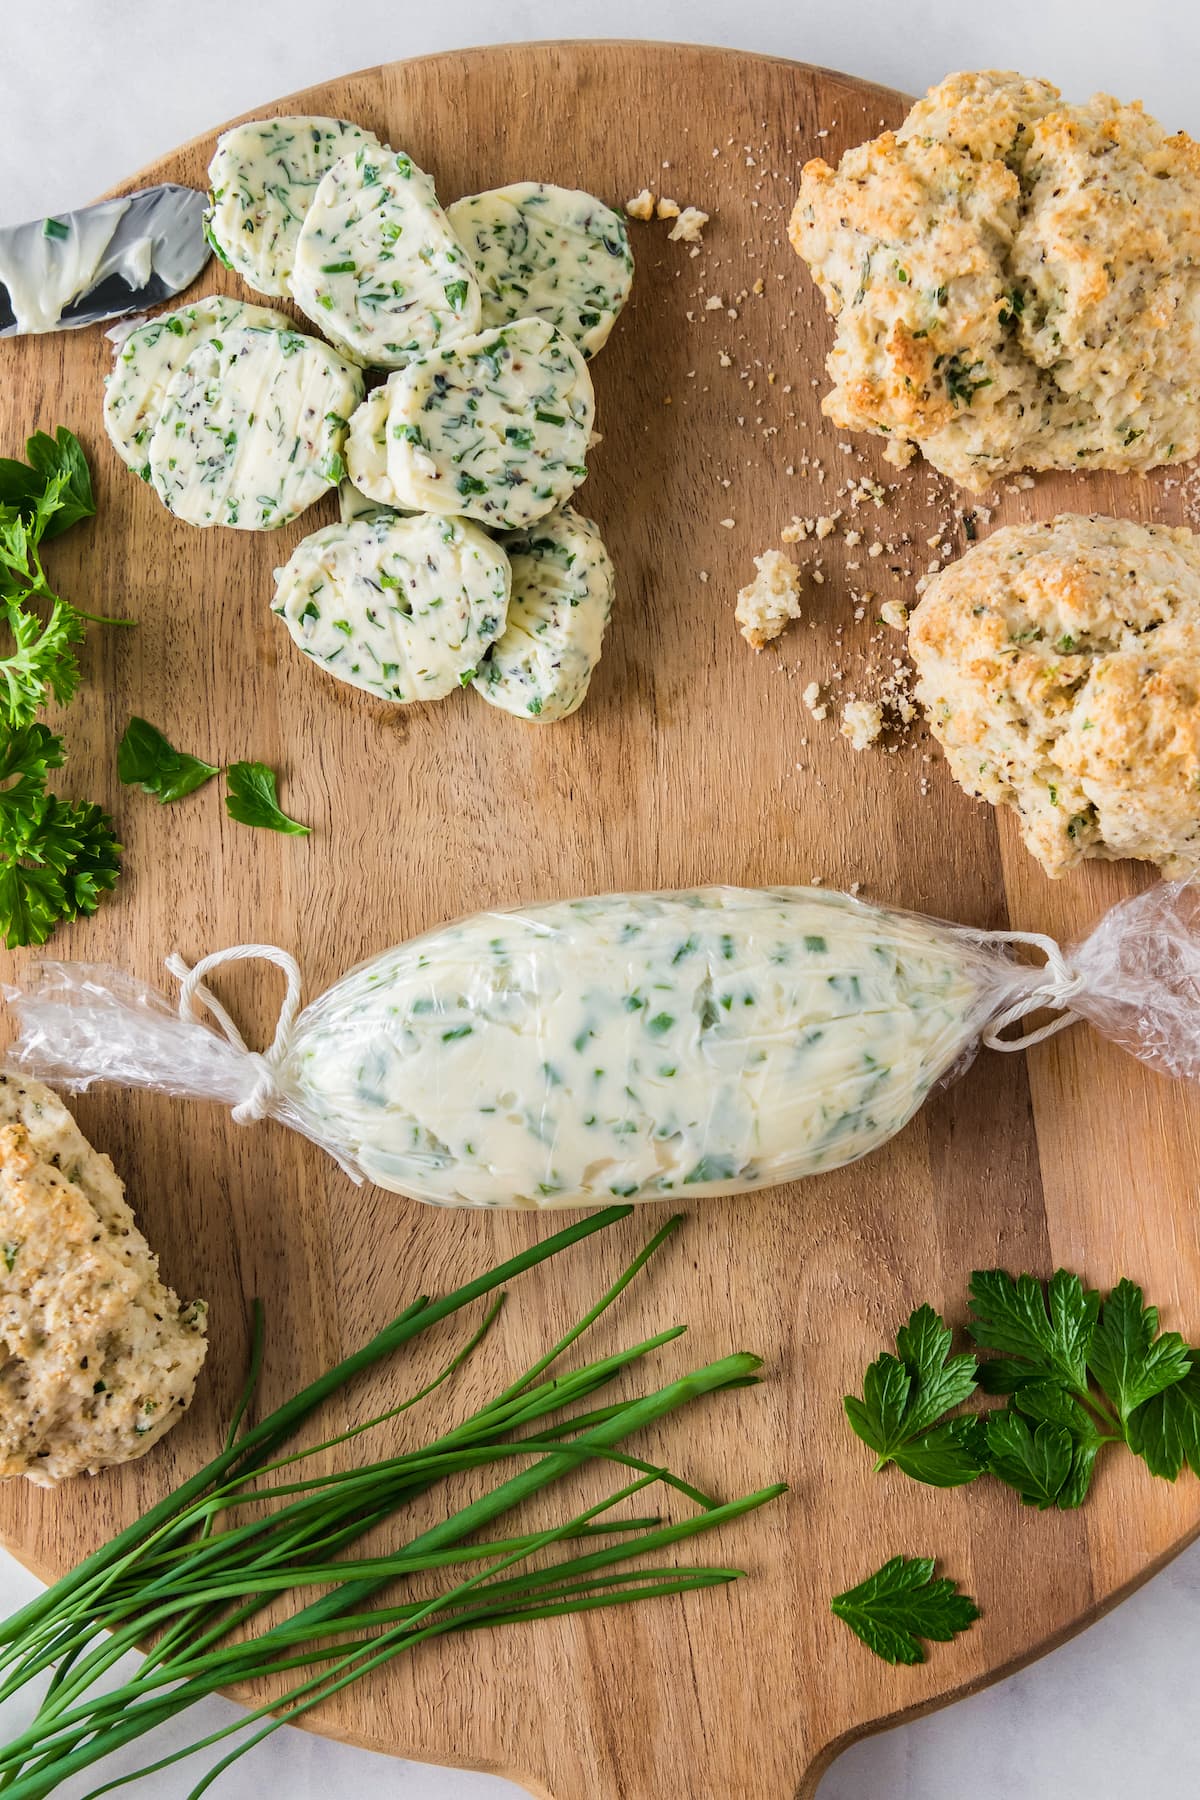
{"x":862,"y":722}
{"x":688,"y":222}
{"x":689,"y":226}
{"x":770,"y":600}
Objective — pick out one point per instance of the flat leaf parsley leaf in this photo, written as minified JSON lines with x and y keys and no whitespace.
{"x":1078,"y":1374}
{"x":1062,"y":1349}
{"x":900,"y":1413}
{"x":145,"y":759}
{"x":1127,"y":1358}
{"x":1033,"y":1459}
{"x":55,"y":481}
{"x":253,"y":799}
{"x":1045,"y":1403}
{"x":902,"y":1603}
{"x":1050,"y":1332}
{"x":1165,"y":1431}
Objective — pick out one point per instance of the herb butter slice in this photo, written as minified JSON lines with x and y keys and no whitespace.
{"x":377,"y":267}
{"x":354,"y":504}
{"x":147,"y":359}
{"x":495,"y":428}
{"x":562,"y":595}
{"x":404,"y":608}
{"x":252,"y":429}
{"x":548,"y":252}
{"x":262,"y":181}
{"x":636,"y":1046}
{"x":366,"y":447}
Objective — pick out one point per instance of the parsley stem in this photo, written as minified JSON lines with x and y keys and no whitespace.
{"x":1089,"y":1399}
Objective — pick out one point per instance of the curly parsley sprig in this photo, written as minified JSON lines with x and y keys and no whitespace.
{"x":57,"y":857}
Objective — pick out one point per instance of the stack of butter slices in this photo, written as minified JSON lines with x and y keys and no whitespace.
{"x":458,"y":560}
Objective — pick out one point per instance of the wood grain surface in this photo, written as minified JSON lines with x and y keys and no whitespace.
{"x":693,"y":761}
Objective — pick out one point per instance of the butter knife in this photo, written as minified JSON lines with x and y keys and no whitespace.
{"x":119,"y":256}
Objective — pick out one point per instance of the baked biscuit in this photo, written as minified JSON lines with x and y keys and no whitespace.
{"x":1016,"y":282}
{"x":1059,"y":665}
{"x":99,"y":1357}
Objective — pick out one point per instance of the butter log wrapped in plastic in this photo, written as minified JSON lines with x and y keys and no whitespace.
{"x":643,"y":1046}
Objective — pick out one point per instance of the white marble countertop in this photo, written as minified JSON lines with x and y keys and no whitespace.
{"x":93,"y":89}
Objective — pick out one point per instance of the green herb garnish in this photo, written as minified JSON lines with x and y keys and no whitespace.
{"x":1078,"y":1374}
{"x":55,"y":482}
{"x":904,"y":1400}
{"x":198,"y":1570}
{"x":901,"y":1603}
{"x":145,"y":759}
{"x":253,"y":799}
{"x":56,"y":856}
{"x":962,"y":384}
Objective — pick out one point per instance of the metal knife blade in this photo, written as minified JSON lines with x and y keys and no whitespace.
{"x":120,"y":256}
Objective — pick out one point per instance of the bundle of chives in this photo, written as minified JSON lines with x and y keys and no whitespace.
{"x":173,"y":1576}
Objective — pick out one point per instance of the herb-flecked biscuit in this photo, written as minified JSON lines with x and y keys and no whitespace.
{"x":1015,"y":280}
{"x":1059,"y":665}
{"x":100,"y":1358}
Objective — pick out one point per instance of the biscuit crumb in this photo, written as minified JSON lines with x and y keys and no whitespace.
{"x":895,"y":614}
{"x":688,"y":226}
{"x":812,"y":699}
{"x":667,"y":209}
{"x":770,"y":600}
{"x":862,"y":722}
{"x":641,"y":206}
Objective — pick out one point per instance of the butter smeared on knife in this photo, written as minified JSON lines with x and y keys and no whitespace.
{"x":120,"y":256}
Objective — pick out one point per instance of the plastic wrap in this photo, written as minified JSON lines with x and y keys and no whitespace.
{"x":633,"y":1045}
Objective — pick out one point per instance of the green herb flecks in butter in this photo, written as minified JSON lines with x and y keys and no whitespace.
{"x":557,"y":1055}
{"x":495,"y":427}
{"x":547,"y":252}
{"x":410,"y":605}
{"x":377,"y":265}
{"x":562,"y":594}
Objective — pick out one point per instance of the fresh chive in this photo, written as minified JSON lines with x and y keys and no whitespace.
{"x":175,"y":1575}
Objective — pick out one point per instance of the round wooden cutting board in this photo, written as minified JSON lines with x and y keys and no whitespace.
{"x":693,"y":761}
